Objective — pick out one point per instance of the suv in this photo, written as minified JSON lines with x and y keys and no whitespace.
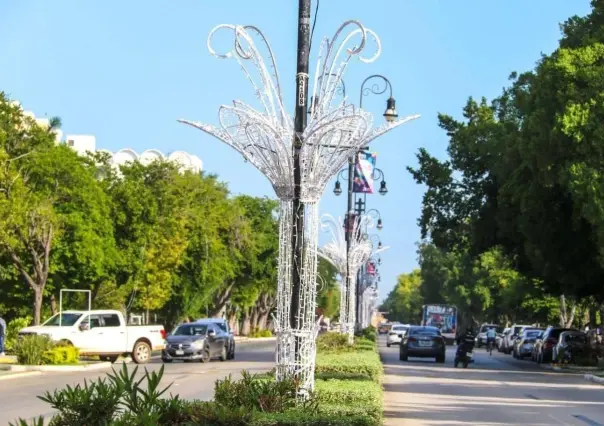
{"x":224,"y":327}
{"x":396,"y":334}
{"x":508,"y":342}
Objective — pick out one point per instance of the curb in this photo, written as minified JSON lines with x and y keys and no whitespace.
{"x":594,"y":379}
{"x":254,"y":339}
{"x":60,"y":368}
{"x":19,"y":375}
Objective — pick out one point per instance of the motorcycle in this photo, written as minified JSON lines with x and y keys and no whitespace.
{"x":463,"y":355}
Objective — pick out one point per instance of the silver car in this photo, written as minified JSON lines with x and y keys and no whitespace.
{"x":196,"y":341}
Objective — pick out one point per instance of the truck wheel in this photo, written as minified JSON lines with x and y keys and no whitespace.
{"x":141,"y":354}
{"x":232,"y":352}
{"x":224,"y":355}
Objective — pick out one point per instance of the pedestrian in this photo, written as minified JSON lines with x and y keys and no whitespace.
{"x":2,"y":335}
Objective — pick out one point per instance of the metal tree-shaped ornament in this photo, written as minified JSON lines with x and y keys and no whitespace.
{"x":265,"y":138}
{"x":348,"y":258}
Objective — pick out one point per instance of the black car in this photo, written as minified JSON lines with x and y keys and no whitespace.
{"x":196,"y":341}
{"x":548,"y":341}
{"x":224,"y":327}
{"x":423,"y":342}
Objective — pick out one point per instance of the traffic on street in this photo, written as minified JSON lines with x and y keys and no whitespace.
{"x":494,"y":390}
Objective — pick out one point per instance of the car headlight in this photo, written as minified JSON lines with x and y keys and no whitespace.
{"x":198,"y":344}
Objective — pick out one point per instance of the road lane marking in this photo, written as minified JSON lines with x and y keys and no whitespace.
{"x":587,"y":420}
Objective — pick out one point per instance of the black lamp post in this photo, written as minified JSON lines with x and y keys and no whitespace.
{"x":300,"y":119}
{"x":390,"y":115}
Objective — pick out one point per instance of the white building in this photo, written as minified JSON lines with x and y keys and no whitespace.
{"x":87,"y":143}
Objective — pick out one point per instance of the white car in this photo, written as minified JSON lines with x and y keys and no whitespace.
{"x":103,"y":333}
{"x":396,"y":333}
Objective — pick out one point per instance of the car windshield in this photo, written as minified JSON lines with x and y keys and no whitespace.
{"x":532,"y":333}
{"x":425,"y":332}
{"x":399,"y":328}
{"x":222,"y":326}
{"x":191,"y":330}
{"x":63,"y":320}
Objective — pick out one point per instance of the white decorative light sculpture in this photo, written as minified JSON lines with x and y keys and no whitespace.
{"x":265,"y":136}
{"x":348,"y":259}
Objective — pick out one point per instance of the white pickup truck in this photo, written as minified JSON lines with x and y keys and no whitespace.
{"x":103,"y":333}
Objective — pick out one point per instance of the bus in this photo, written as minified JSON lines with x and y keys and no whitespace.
{"x":442,"y":316}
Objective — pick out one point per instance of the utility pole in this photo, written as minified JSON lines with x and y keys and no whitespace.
{"x":349,"y":225}
{"x":299,"y":126}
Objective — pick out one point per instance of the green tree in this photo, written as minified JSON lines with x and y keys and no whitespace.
{"x":328,"y":292}
{"x":405,"y":301}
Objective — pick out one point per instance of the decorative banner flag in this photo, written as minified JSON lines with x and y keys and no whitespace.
{"x":370,"y":268}
{"x":363,"y":172}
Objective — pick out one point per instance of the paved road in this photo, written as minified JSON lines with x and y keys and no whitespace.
{"x":494,"y":391}
{"x":190,"y":380}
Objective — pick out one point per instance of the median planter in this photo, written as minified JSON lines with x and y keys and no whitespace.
{"x":348,"y":393}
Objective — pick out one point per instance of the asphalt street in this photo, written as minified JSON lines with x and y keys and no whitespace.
{"x":493,"y":391}
{"x":194,"y":380}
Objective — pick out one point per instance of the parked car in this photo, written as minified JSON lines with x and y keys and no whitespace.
{"x":500,"y":337}
{"x":481,"y":337}
{"x":196,"y":341}
{"x":423,"y":342}
{"x":570,"y":345}
{"x":395,"y":336}
{"x":549,"y":340}
{"x":523,"y":346}
{"x":384,"y":328}
{"x":103,"y":333}
{"x":508,"y":342}
{"x":224,"y":326}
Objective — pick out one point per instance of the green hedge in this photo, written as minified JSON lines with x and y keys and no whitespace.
{"x":359,"y":365}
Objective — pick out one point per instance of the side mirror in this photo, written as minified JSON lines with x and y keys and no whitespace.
{"x":211,"y":333}
{"x":84,"y":326}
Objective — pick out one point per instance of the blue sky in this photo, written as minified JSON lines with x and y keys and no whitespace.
{"x":126,"y":70}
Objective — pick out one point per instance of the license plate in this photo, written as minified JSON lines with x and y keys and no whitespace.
{"x":180,"y":353}
{"x":425,"y":343}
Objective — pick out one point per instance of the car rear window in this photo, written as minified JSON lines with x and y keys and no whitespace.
{"x":555,"y":332}
{"x":425,"y":332}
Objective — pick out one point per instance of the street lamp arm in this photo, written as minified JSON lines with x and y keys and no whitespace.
{"x":375,"y":88}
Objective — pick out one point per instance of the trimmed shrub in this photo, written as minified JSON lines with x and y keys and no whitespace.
{"x":301,"y":418}
{"x":369,"y":333}
{"x":12,"y":332}
{"x":254,"y":394}
{"x":333,"y":342}
{"x":350,"y":398}
{"x":256,"y":332}
{"x":30,"y":349}
{"x":353,"y":365}
{"x":61,"y":355}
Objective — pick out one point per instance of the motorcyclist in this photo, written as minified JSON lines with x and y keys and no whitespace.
{"x":468,"y":339}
